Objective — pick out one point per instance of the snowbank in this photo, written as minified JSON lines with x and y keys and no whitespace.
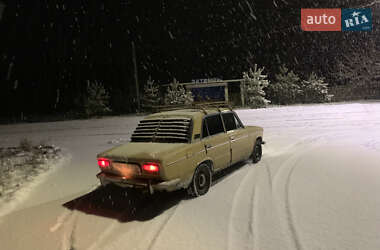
{"x":22,"y":168}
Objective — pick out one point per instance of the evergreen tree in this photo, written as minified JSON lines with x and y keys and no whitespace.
{"x":286,"y":88}
{"x":97,"y":99}
{"x":315,"y":90}
{"x":177,"y":94}
{"x":253,"y":87}
{"x":151,"y":96}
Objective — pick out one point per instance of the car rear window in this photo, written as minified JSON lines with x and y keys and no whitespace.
{"x":165,"y":130}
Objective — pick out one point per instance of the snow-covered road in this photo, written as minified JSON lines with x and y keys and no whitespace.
{"x":315,"y":188}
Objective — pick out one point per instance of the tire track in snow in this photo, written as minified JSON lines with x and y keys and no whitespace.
{"x":236,"y":232}
{"x":104,"y":235}
{"x":154,"y":235}
{"x":69,"y":226}
{"x":283,"y":200}
{"x":288,"y":148}
{"x":254,"y":214}
{"x":269,"y":173}
{"x":107,"y":232}
{"x":276,"y":178}
{"x":281,"y":190}
{"x":302,"y":144}
{"x":68,"y":221}
{"x":151,"y":235}
{"x":289,"y":211}
{"x":162,"y":227}
{"x":60,"y":220}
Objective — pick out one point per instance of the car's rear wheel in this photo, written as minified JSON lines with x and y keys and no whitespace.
{"x":257,"y":151}
{"x":201,"y":182}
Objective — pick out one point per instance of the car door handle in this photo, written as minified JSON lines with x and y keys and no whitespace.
{"x":232,"y":137}
{"x":208,"y":146}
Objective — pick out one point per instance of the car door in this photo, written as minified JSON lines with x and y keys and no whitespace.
{"x":238,"y":137}
{"x":216,"y":141}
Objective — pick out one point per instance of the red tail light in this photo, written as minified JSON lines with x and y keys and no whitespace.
{"x":151,"y":167}
{"x":104,"y":163}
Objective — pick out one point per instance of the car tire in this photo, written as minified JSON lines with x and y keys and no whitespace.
{"x":201,"y":181}
{"x":257,"y":151}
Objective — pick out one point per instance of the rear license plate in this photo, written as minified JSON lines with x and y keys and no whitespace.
{"x":125,"y":169}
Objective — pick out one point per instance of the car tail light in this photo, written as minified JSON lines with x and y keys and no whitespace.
{"x":151,"y":167}
{"x":104,"y":163}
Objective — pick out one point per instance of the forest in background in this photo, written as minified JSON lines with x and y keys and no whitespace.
{"x":51,"y":50}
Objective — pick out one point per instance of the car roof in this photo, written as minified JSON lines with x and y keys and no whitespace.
{"x":188,"y":113}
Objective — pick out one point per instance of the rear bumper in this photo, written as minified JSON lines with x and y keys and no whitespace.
{"x":139,"y":183}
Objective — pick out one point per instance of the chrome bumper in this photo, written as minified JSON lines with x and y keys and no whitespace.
{"x":136,"y":183}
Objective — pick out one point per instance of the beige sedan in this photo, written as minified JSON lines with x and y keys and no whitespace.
{"x":180,"y":150}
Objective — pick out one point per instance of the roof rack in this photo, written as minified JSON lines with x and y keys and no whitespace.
{"x":200,"y":106}
{"x":217,"y":105}
{"x":203,"y":109}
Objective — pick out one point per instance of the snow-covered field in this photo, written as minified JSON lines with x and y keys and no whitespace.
{"x":317,"y":187}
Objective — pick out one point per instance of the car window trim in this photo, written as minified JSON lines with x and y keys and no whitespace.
{"x":208,"y":132}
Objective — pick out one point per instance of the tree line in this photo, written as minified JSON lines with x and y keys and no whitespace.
{"x":52,"y":50}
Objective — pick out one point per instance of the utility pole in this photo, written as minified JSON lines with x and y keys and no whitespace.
{"x":242,"y":93}
{"x":136,"y":77}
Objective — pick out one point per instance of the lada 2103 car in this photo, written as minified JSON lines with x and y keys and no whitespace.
{"x":180,"y":149}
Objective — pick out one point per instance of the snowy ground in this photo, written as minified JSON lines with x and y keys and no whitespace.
{"x":315,"y":188}
{"x":19,"y":166}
